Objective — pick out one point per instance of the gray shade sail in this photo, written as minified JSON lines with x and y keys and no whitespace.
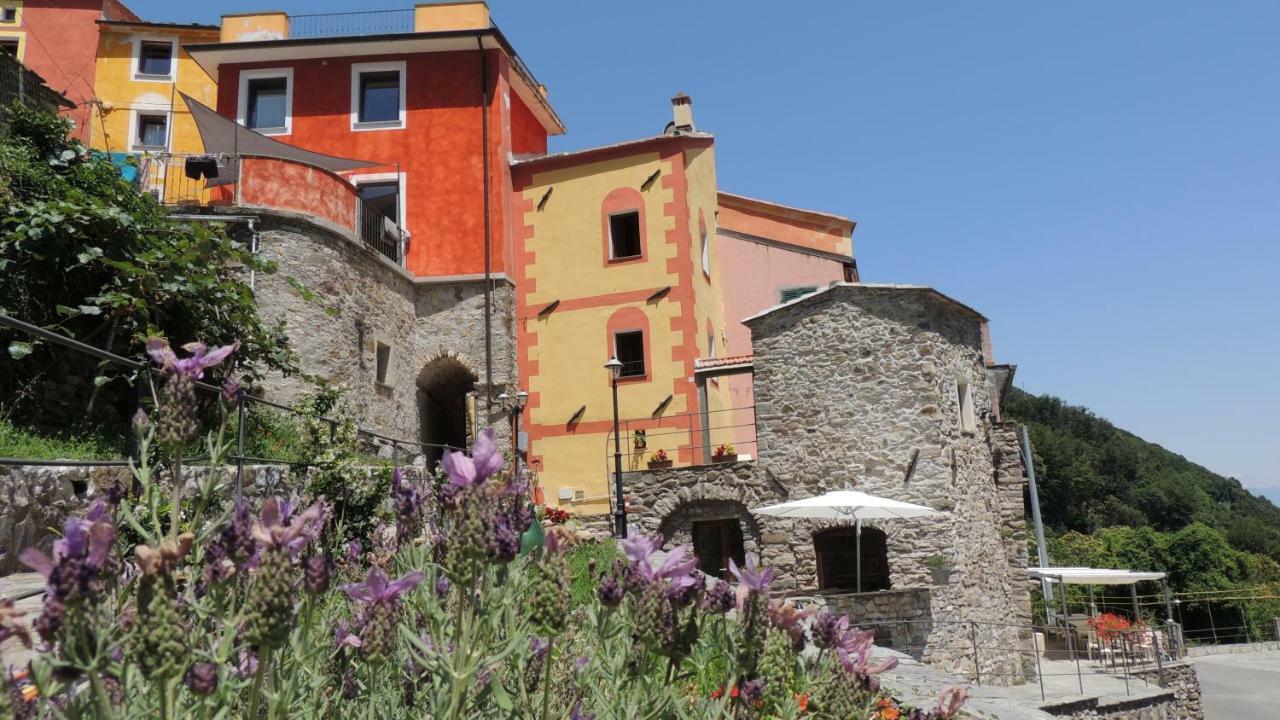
{"x":223,"y":136}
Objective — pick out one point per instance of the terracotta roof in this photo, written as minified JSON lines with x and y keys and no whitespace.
{"x":707,"y":363}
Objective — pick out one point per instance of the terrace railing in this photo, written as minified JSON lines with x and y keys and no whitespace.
{"x":169,"y":177}
{"x":370,"y":22}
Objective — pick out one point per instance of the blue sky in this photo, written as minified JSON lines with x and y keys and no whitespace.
{"x":1100,"y":179}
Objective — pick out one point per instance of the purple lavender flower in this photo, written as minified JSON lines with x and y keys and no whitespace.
{"x":278,"y":526}
{"x":950,"y":700}
{"x":752,"y":576}
{"x":610,"y":591}
{"x":579,"y":714}
{"x":408,"y":499}
{"x":442,"y":586}
{"x":675,"y":567}
{"x":317,"y":570}
{"x":753,"y":690}
{"x":719,"y":599}
{"x":343,"y":637}
{"x":73,"y":573}
{"x":828,"y":629}
{"x":354,"y":550}
{"x":381,"y":604}
{"x":140,"y":421}
{"x":539,"y":647}
{"x":485,"y":461}
{"x":247,"y":664}
{"x":202,"y":678}
{"x":193,"y":367}
{"x":232,"y":391}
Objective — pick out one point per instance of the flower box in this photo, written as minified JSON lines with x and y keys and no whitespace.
{"x":655,"y":464}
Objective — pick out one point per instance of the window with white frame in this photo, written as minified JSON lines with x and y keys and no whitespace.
{"x":266,"y":101}
{"x":965,"y":396}
{"x":378,"y":96}
{"x":151,"y":131}
{"x":153,"y":59}
{"x":8,"y":15}
{"x":706,"y":255}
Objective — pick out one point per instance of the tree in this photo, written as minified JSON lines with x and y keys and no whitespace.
{"x":85,"y":254}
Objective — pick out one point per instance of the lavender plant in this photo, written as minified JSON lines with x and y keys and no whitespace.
{"x":230,"y":607}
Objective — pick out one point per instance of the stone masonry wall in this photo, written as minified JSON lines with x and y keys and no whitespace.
{"x":1181,"y":702}
{"x":361,"y":299}
{"x":854,"y":382}
{"x":35,"y":500}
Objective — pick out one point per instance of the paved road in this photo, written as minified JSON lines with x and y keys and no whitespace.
{"x":1240,"y":687}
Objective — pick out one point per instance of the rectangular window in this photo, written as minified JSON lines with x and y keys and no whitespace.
{"x":152,"y":132}
{"x":628,"y":347}
{"x":155,"y":59}
{"x":383,"y":361}
{"x":9,"y":45}
{"x":789,"y":294}
{"x":624,"y":235}
{"x":8,"y":15}
{"x":380,"y":97}
{"x":965,"y":396}
{"x":268,"y":103}
{"x":711,"y":345}
{"x":380,"y":205}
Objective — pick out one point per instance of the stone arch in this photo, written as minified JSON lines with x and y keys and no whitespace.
{"x":443,"y":385}
{"x":716,"y":530}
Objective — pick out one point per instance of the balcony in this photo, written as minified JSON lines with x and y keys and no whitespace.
{"x":185,"y":181}
{"x":373,"y":22}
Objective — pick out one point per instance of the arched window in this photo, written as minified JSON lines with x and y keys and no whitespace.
{"x":623,"y":226}
{"x":838,"y":561}
{"x":629,"y":341}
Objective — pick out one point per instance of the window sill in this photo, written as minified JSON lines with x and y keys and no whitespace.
{"x":625,"y":260}
{"x":142,"y":77}
{"x":633,"y":379}
{"x":148,"y":148}
{"x":269,"y":132}
{"x":378,"y":125}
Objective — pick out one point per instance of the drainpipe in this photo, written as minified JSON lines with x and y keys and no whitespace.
{"x":488,"y":291}
{"x":1043,"y":555}
{"x":253,"y":250}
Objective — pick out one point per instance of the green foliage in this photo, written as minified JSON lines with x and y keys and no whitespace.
{"x":84,"y":254}
{"x":18,"y":442}
{"x":580,"y":560}
{"x":1093,"y":475}
{"x":337,"y":471}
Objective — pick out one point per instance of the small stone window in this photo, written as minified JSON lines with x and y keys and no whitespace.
{"x":628,"y":347}
{"x":383,"y":358}
{"x":965,"y":397}
{"x":624,"y":235}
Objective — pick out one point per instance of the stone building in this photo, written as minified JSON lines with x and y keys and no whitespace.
{"x":890,"y":390}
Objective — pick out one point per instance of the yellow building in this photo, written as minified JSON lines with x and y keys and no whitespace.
{"x":141,"y":67}
{"x":613,"y":260}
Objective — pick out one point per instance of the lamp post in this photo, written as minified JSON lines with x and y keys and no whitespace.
{"x":620,"y":508}
{"x":516,"y":404}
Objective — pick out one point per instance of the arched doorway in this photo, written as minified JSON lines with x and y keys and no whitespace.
{"x":443,"y":387}
{"x":718,"y":531}
{"x":836,"y":550}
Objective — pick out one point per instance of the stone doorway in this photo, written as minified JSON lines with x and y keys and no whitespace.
{"x":445,"y":386}
{"x":836,"y":551}
{"x":715,"y":543}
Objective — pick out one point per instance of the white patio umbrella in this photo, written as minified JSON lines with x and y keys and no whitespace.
{"x":847,"y":505}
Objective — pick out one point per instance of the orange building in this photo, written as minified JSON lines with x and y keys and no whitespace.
{"x":58,"y":39}
{"x":435,"y":96}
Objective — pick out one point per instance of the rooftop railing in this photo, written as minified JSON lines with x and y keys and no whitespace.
{"x":371,"y":22}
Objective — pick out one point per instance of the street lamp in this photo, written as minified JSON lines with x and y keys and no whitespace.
{"x":521,"y":399}
{"x":619,"y":509}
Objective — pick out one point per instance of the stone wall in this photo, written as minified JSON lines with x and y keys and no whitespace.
{"x":860,"y":385}
{"x":356,"y":300}
{"x":35,"y":500}
{"x":1181,"y":678}
{"x":901,"y":618}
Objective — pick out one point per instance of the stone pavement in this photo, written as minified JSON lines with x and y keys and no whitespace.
{"x":27,"y":587}
{"x":1240,"y":685}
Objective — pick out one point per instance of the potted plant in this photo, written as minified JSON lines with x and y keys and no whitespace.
{"x":725,"y":453}
{"x":939,"y":568}
{"x":659,"y":459}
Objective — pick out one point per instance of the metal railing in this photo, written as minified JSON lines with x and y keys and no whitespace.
{"x":684,"y":439}
{"x":178,"y":179}
{"x":1133,"y":656}
{"x":400,"y":447}
{"x":369,"y":22}
{"x":383,"y":235}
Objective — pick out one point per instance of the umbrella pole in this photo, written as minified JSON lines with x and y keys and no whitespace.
{"x":857,"y":548}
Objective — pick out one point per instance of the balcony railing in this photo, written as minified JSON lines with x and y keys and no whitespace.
{"x":185,"y":179}
{"x":372,"y":22}
{"x":382,"y":234}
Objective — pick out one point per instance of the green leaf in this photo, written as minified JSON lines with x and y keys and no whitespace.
{"x":100,"y":380}
{"x":501,"y":697}
{"x":90,"y":310}
{"x":19,"y":349}
{"x":64,"y":310}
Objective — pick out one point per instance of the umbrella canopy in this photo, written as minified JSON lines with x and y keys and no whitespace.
{"x":846,"y":505}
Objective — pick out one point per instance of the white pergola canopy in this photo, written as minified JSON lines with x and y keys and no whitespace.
{"x":1092,"y":576}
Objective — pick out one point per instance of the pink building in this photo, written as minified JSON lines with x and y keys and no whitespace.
{"x":774,"y":254}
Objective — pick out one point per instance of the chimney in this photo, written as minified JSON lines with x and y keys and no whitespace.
{"x":682,"y":113}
